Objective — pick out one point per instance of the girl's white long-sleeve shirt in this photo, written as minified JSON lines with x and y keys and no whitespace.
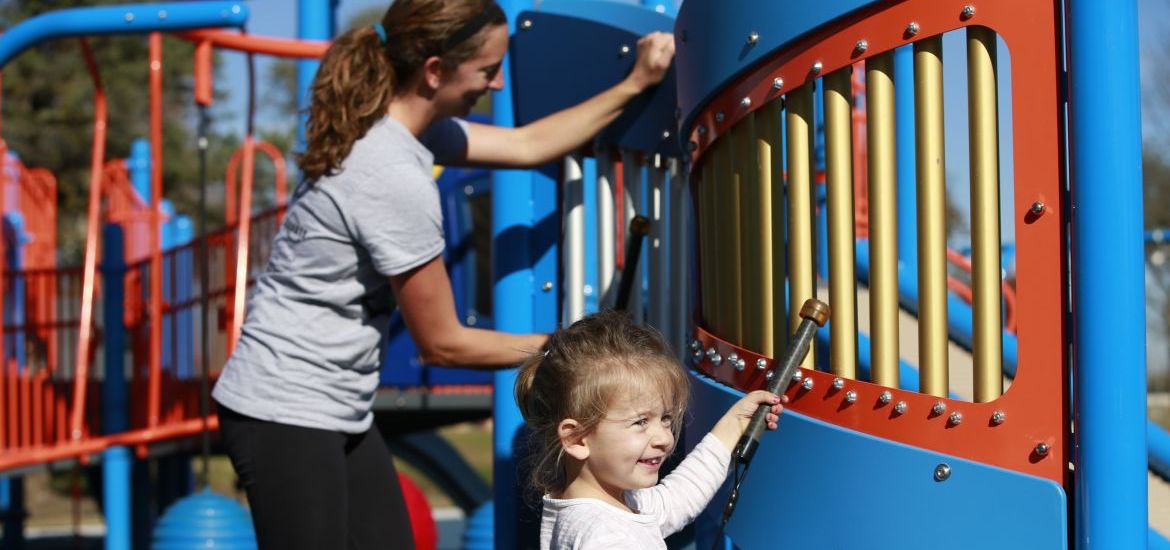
{"x":659,"y":511}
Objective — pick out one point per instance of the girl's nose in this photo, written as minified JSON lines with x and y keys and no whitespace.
{"x":662,"y":437}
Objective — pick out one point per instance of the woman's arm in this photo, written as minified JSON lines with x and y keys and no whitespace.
{"x":428,"y":307}
{"x":564,"y":131}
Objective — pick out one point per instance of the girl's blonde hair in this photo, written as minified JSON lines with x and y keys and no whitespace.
{"x":360,"y":72}
{"x":579,"y":373}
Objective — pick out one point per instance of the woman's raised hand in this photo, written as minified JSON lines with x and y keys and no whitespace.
{"x":655,"y":53}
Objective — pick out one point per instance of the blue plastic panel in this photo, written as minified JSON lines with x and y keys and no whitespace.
{"x":815,"y":485}
{"x":711,"y":40}
{"x":560,"y":60}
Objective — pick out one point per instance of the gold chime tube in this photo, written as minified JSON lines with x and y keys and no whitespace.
{"x":707,"y":244}
{"x":932,"y":259}
{"x":765,"y":119}
{"x":838,"y":97}
{"x":800,"y":223}
{"x":985,"y":272}
{"x":774,"y":130}
{"x":731,"y":303}
{"x":883,"y":220}
{"x":746,"y":175}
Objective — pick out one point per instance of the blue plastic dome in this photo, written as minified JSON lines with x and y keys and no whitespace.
{"x":205,"y":520}
{"x":480,"y":531}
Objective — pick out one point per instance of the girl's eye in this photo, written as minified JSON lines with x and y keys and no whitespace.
{"x":667,"y":420}
{"x":641,"y":422}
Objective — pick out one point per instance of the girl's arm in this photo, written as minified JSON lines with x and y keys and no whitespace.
{"x":681,"y":496}
{"x":428,"y":307}
{"x":562,"y":132}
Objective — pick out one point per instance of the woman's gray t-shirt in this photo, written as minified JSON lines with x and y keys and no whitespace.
{"x":312,"y":342}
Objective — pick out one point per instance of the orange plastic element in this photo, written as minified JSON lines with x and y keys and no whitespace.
{"x":243,"y":235}
{"x":203,"y":73}
{"x":280,"y":183}
{"x":156,"y":272}
{"x":281,"y":47}
{"x":1034,"y":407}
{"x":85,"y":326}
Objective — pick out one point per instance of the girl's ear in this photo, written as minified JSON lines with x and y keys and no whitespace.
{"x":573,"y":443}
{"x":432,"y":72}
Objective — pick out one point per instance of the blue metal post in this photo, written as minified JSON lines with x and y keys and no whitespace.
{"x":1107,"y":275}
{"x":513,"y":214}
{"x":138,"y":164}
{"x":904,"y":147}
{"x":315,"y":21}
{"x":116,"y":460}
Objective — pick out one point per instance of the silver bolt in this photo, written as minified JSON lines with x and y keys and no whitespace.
{"x":797,"y":376}
{"x":733,"y":358}
{"x":666,"y":134}
{"x":955,"y":418}
{"x":807,"y":383}
{"x":468,"y":190}
{"x":740,"y":364}
{"x":968,"y":11}
{"x":716,"y":360}
{"x":939,"y":407}
{"x":838,"y":383}
{"x":695,"y":344}
{"x":547,"y":286}
{"x":777,"y":83}
{"x":753,"y":37}
{"x":861,"y":46}
{"x":711,"y":353}
{"x":526,"y":24}
{"x":817,"y":67}
{"x":942,"y":472}
{"x":624,"y":50}
{"x":761,"y":364}
{"x":719,"y":116}
{"x":702,"y":130}
{"x":900,"y":407}
{"x":1037,"y":208}
{"x":770,"y":375}
{"x":745,"y":102}
{"x":236,"y":8}
{"x":850,"y":396}
{"x":885,"y":397}
{"x":162,"y":14}
{"x":1042,"y":449}
{"x":129,"y":17}
{"x":912,"y":29}
{"x":998,"y":417}
{"x":697,"y":354}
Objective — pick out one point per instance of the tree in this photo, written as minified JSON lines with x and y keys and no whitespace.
{"x":48,"y":113}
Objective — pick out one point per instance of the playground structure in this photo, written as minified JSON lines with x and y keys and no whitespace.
{"x":940,"y":402}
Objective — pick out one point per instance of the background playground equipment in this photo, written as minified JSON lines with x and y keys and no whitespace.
{"x":746,"y":220}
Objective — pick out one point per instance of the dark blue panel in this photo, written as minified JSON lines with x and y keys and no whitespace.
{"x":560,"y":60}
{"x":816,"y":485}
{"x":711,"y":40}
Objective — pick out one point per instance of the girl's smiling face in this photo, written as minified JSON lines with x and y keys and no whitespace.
{"x":626,"y":450}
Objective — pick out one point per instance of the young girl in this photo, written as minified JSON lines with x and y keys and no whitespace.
{"x":604,"y":401}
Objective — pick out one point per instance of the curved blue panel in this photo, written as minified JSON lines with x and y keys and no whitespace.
{"x":130,"y":18}
{"x":570,"y":51}
{"x":711,"y":40}
{"x":816,"y":485}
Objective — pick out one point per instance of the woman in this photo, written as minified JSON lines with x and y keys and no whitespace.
{"x":295,"y":397}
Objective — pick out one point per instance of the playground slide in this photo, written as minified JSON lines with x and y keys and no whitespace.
{"x":961,"y":378}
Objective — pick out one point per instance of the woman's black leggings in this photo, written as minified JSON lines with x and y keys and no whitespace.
{"x":310,"y":488}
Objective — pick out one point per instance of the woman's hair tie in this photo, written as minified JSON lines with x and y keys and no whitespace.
{"x":380,"y":31}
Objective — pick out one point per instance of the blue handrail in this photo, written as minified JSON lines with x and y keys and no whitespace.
{"x":125,"y":19}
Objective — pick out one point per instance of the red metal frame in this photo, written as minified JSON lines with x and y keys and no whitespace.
{"x":1035,"y":405}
